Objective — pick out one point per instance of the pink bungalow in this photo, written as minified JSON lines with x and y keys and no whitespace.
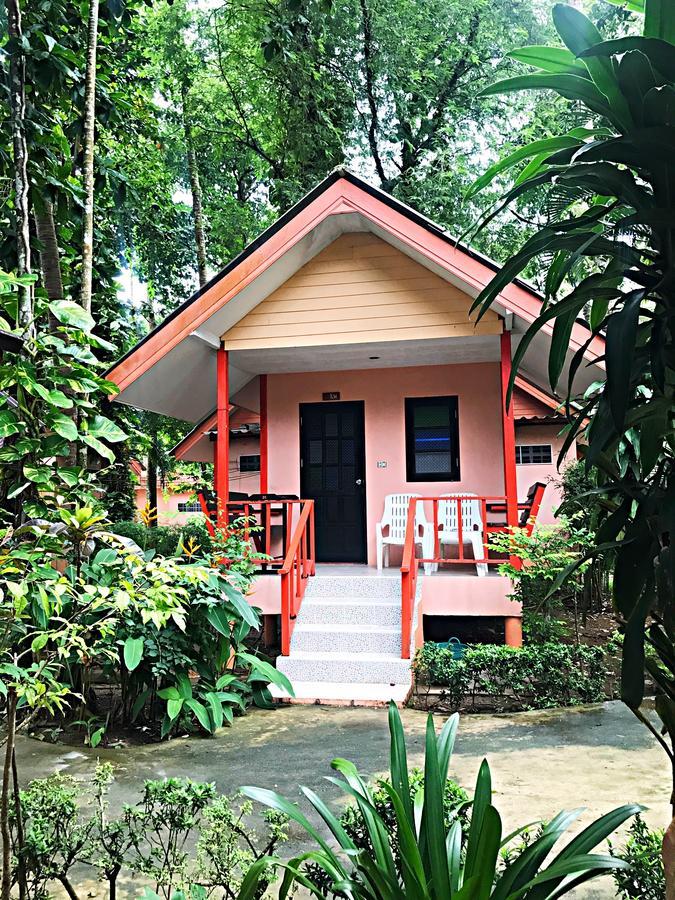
{"x":387,"y":456}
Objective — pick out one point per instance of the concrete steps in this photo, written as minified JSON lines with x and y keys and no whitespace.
{"x":346,"y":612}
{"x":346,"y":644}
{"x":346,"y":638}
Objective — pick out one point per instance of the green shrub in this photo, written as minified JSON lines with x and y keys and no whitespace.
{"x":545,"y":554}
{"x":66,"y":824}
{"x":535,"y":677}
{"x":166,"y":540}
{"x":645,"y":878}
{"x":539,"y":628}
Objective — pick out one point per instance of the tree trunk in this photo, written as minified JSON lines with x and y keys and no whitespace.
{"x":151,"y":486}
{"x":5,"y":891}
{"x":20,"y":834}
{"x":196,"y":189}
{"x":17,"y":102}
{"x":88,"y":162}
{"x":49,"y":253}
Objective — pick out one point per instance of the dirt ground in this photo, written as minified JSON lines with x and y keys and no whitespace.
{"x":597,"y":757}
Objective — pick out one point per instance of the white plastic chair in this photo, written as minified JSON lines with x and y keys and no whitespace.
{"x":395,"y":519}
{"x":472,"y":526}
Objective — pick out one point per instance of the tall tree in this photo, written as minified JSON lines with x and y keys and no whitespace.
{"x":195,"y":185}
{"x":17,"y":101}
{"x":89,"y":139}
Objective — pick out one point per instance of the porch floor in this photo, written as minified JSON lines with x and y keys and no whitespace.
{"x":357,"y":570}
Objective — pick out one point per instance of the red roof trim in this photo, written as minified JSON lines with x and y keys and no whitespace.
{"x":342,"y":192}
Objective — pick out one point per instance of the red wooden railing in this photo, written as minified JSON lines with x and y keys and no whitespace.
{"x":299,"y":564}
{"x":258,"y":517}
{"x":409,"y":566}
{"x":492,"y":514}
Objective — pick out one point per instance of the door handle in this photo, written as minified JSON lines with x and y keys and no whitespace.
{"x":359,"y":481}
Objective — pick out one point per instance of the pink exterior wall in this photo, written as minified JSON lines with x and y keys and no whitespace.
{"x":168,"y":499}
{"x":528,"y":474}
{"x":383,"y":391}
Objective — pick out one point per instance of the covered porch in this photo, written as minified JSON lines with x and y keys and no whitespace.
{"x":335,"y":447}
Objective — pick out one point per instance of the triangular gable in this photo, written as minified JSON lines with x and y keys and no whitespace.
{"x":359,"y":289}
{"x":172,"y":370}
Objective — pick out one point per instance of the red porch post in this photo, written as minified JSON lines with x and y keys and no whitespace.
{"x":508,"y":435}
{"x":264,"y":484}
{"x":222,"y":467}
{"x":215,"y":463}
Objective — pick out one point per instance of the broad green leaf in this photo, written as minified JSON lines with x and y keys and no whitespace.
{"x":133,"y":652}
{"x":63,"y":426}
{"x":219,"y":618}
{"x":39,"y":642}
{"x":658,"y":52}
{"x":105,"y":429}
{"x":546,"y":145}
{"x":201,"y":714}
{"x":432,"y":829}
{"x":482,"y":799}
{"x":579,"y":33}
{"x":69,"y":313}
{"x":170,"y":693}
{"x":572,"y":87}
{"x":621,"y":338}
{"x":173,"y":708}
{"x":262,"y":669}
{"x":99,"y":447}
{"x":243,"y":608}
{"x":216,"y":709}
{"x":398,"y":761}
{"x":54,"y":397}
{"x":281,"y":804}
{"x":8,"y":423}
{"x":660,"y":20}
{"x":184,"y":685}
{"x":550,"y":59}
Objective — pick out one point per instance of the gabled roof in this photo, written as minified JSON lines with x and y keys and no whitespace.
{"x":172,"y":370}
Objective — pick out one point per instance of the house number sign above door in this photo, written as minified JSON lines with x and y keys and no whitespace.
{"x":330,"y":395}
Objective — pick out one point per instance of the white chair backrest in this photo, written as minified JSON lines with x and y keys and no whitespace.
{"x":447,"y":514}
{"x":396,"y":514}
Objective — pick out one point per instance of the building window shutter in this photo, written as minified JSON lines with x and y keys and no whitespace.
{"x":249,"y":463}
{"x":432,"y":438}
{"x":533,"y":454}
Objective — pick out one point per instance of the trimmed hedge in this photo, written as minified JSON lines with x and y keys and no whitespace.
{"x":540,"y":676}
{"x":164,"y":539}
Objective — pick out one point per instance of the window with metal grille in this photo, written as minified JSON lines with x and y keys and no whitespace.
{"x":193,"y":507}
{"x":531,"y":454}
{"x":432,"y":439}
{"x":249,"y":463}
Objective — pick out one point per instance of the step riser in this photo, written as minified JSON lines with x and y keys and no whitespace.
{"x":345,"y":641}
{"x":347,"y":586}
{"x":387,"y":615}
{"x":395,"y":671}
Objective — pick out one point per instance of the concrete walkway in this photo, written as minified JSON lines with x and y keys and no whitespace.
{"x":598,"y":757}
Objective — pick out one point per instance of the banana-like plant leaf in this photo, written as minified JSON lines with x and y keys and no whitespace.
{"x":658,"y":52}
{"x":482,"y":798}
{"x":398,"y":762}
{"x":578,"y":34}
{"x":572,"y":87}
{"x":621,"y":338}
{"x":432,"y":830}
{"x":546,"y":146}
{"x":550,"y":59}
